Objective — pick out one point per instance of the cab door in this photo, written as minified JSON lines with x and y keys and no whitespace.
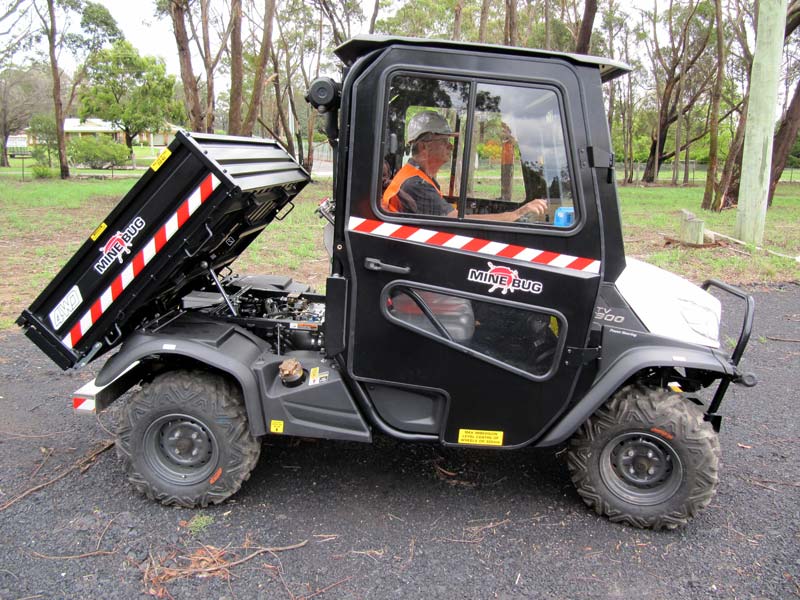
{"x":462,"y":325}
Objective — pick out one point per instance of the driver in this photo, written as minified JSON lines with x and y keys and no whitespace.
{"x":414,"y":188}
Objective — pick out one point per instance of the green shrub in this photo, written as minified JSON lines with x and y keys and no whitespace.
{"x":97,"y":153}
{"x":41,"y":171}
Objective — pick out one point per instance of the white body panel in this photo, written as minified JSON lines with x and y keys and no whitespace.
{"x":669,"y":305}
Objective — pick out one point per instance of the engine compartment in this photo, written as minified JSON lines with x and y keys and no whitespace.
{"x":289,"y":316}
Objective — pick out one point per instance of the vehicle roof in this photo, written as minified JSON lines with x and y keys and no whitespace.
{"x":360,"y":45}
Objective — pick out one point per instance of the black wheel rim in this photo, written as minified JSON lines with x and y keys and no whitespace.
{"x":641,"y":468}
{"x":180,"y":449}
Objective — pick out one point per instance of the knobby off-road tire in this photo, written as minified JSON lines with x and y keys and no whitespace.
{"x":646,"y":458}
{"x":184,"y":439}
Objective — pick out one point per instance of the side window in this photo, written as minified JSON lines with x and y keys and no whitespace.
{"x":520,"y":154}
{"x":425,"y":128}
{"x":518,"y":169}
{"x":507,"y":335}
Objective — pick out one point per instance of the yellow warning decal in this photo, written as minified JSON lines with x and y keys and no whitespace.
{"x":162,"y":158}
{"x":275,"y":426}
{"x":554,"y":326}
{"x":479,"y":437}
{"x":99,"y":231}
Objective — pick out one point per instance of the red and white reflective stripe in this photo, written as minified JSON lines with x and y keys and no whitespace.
{"x":83,"y":404}
{"x":141,"y":259}
{"x":479,"y":246}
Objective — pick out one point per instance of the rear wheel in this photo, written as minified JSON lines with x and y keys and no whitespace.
{"x":184,"y":439}
{"x":646,"y":458}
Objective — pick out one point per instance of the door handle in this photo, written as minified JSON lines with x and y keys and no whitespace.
{"x":374,"y":264}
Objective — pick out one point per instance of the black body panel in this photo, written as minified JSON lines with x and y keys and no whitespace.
{"x":320,"y":406}
{"x":624,"y":354}
{"x":217,"y":344}
{"x":483,"y":394}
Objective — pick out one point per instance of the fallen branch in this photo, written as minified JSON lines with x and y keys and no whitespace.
{"x":371,"y":553}
{"x":480,"y":529}
{"x":330,"y":587}
{"x":789,"y":483}
{"x":83,"y":464}
{"x":174,"y":573}
{"x":741,"y":243}
{"x":44,"y":460}
{"x":780,"y":339}
{"x":249,"y":557}
{"x":31,"y":436}
{"x":74,"y":556}
{"x":102,"y":535}
{"x":478,"y":541}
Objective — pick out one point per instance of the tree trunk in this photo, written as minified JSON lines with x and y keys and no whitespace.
{"x":612,"y":93}
{"x":585,"y":32}
{"x":261,"y":68}
{"x":510,"y":28}
{"x":209,"y":68}
{"x":484,"y":20}
{"x":457,"y":10}
{"x":292,"y":106}
{"x":59,"y":108}
{"x":280,"y":112}
{"x":784,"y":140}
{"x":728,"y":189}
{"x":4,"y":153}
{"x":686,"y":156}
{"x":312,"y":120}
{"x":129,"y":143}
{"x":237,"y":70}
{"x":372,"y":22}
{"x":177,"y":11}
{"x":678,"y":127}
{"x":547,"y":42}
{"x":713,"y":125}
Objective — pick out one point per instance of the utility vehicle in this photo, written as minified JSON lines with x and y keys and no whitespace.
{"x":456,"y":330}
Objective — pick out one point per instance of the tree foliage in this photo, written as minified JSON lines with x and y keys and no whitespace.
{"x":97,"y":152}
{"x":132,"y":91}
{"x":43,"y":129}
{"x":23,"y":92}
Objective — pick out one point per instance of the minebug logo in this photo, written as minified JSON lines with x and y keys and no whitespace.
{"x":118,"y":245}
{"x":505,"y":279}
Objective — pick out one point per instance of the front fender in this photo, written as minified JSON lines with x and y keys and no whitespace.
{"x":217,"y":344}
{"x":625,"y":366}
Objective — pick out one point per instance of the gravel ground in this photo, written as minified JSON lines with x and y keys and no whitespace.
{"x":394,"y":520}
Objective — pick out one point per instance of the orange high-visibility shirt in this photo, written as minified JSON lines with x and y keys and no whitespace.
{"x":390,"y":201}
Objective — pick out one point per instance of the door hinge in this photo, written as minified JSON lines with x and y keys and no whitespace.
{"x":582,"y":356}
{"x":602,"y":159}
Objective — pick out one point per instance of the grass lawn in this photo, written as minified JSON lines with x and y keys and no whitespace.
{"x":651,"y":214}
{"x":43,"y":222}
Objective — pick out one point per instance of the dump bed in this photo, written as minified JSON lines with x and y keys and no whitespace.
{"x":199,"y":205}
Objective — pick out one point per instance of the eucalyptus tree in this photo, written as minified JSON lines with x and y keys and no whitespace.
{"x":206,"y":26}
{"x":56,"y":20}
{"x":689,"y":26}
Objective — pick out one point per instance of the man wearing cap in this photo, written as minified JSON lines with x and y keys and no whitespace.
{"x":414,"y":188}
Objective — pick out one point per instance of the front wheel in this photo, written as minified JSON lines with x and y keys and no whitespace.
{"x":184,"y":439}
{"x":646,"y":458}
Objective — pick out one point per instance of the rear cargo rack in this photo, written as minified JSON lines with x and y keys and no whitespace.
{"x":198,"y":206}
